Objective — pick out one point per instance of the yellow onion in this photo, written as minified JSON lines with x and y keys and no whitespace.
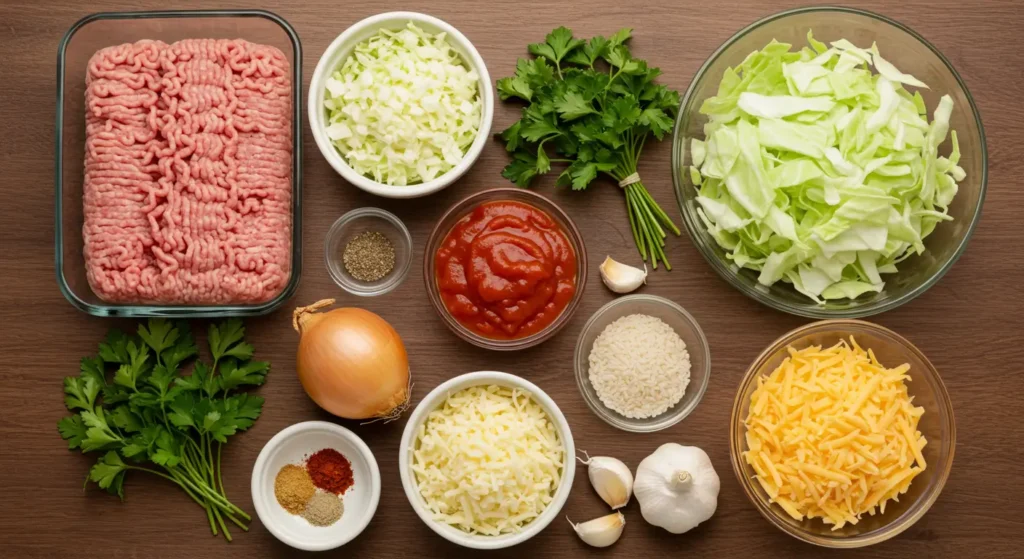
{"x":351,"y":362}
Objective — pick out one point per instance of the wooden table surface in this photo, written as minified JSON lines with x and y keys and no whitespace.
{"x":969,"y":324}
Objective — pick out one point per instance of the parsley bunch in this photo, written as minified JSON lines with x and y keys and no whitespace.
{"x":594,"y":105}
{"x":149,"y":416}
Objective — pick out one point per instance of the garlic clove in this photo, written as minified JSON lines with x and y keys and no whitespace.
{"x":622,"y":278}
{"x":600,"y":532}
{"x":611,"y":479}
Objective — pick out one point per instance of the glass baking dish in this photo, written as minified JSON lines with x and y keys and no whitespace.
{"x":112,"y":28}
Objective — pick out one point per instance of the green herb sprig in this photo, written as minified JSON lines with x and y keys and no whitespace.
{"x":149,"y":416}
{"x":595,"y":106}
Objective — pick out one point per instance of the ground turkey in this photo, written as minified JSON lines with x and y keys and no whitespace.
{"x":188,"y":172}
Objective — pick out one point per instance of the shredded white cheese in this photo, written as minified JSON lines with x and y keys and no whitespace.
{"x":488,"y":461}
{"x":639,"y":366}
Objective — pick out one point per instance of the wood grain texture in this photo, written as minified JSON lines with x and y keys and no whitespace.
{"x":970,"y":324}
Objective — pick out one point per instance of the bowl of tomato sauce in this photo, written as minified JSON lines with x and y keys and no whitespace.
{"x":505,"y":268}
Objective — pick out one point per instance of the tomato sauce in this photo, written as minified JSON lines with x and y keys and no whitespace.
{"x":506,"y":270}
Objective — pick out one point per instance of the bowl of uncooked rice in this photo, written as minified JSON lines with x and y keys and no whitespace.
{"x":642,"y":363}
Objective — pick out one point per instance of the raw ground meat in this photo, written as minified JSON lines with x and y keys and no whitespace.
{"x":188,"y":172}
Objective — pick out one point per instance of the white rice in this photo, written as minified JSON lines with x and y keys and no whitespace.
{"x":639,"y":366}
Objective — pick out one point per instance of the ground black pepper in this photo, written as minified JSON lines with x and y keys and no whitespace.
{"x":369,"y":256}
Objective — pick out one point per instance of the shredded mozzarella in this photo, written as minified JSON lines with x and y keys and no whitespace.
{"x":404,"y":107}
{"x":488,"y":461}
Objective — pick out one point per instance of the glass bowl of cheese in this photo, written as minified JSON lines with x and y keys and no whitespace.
{"x":487,"y":460}
{"x":842,"y":433}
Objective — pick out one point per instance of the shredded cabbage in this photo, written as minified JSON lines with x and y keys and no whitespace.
{"x":817,"y":172}
{"x":404,"y":107}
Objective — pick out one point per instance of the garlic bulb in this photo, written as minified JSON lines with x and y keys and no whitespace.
{"x":677,"y":487}
{"x":600,"y":532}
{"x":620,"y":277}
{"x":611,"y":479}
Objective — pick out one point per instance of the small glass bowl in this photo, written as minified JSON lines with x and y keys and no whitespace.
{"x":457,"y":212}
{"x":680,"y":321}
{"x":936,"y":425}
{"x":911,"y":53}
{"x":358,"y":221}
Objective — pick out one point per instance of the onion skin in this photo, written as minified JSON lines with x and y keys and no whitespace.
{"x":352,"y":362}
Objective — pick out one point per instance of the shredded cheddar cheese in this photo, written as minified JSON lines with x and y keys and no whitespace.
{"x":488,"y":461}
{"x":832,"y":434}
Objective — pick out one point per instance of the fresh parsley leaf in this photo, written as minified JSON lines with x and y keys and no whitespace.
{"x":108,"y":473}
{"x":543,"y":162}
{"x":137,"y":447}
{"x":621,"y":36}
{"x":125,"y":419}
{"x":225,"y":335}
{"x":98,"y":434}
{"x":159,"y":335}
{"x":72,"y":429}
{"x":590,"y":85}
{"x":658,"y":122}
{"x":515,"y":86}
{"x":114,"y":394}
{"x":233,"y":374}
{"x":512,"y":137}
{"x":114,"y":349}
{"x":80,"y":393}
{"x":245,"y":409}
{"x":622,"y":114}
{"x":537,"y":130}
{"x":181,"y":411}
{"x":521,"y":169}
{"x":580,"y":174}
{"x":93,"y":367}
{"x":573,"y":106}
{"x":161,"y":379}
{"x":167,"y":451}
{"x":590,"y":53}
{"x":556,"y":45}
{"x":537,"y":71}
{"x":183,"y":349}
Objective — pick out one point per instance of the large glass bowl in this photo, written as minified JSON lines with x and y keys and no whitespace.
{"x":912,"y":54}
{"x":461,"y":210}
{"x":101,"y":30}
{"x":936,"y":425}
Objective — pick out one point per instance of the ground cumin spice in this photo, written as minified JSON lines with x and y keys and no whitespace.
{"x":293,"y":488}
{"x":330,"y":471}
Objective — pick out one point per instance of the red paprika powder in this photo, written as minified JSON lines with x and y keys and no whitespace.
{"x":330,"y":471}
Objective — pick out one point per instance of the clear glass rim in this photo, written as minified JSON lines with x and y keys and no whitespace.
{"x":350,"y":284}
{"x":641,"y":425}
{"x":695,"y":229}
{"x":914,"y":512}
{"x":438,"y":234}
{"x":111,"y":309}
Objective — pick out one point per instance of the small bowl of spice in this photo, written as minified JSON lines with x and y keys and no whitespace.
{"x":315,"y":485}
{"x":368,"y":252}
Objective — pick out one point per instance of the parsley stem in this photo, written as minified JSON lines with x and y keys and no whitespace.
{"x":223,"y":527}
{"x":220,"y":477}
{"x":636,"y":236}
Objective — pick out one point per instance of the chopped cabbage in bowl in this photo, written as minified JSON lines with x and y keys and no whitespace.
{"x":816,"y":171}
{"x":404,"y":107}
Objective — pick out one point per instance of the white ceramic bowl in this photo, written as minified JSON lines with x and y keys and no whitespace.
{"x":338,"y":52}
{"x":291,"y":446}
{"x":435,"y":399}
